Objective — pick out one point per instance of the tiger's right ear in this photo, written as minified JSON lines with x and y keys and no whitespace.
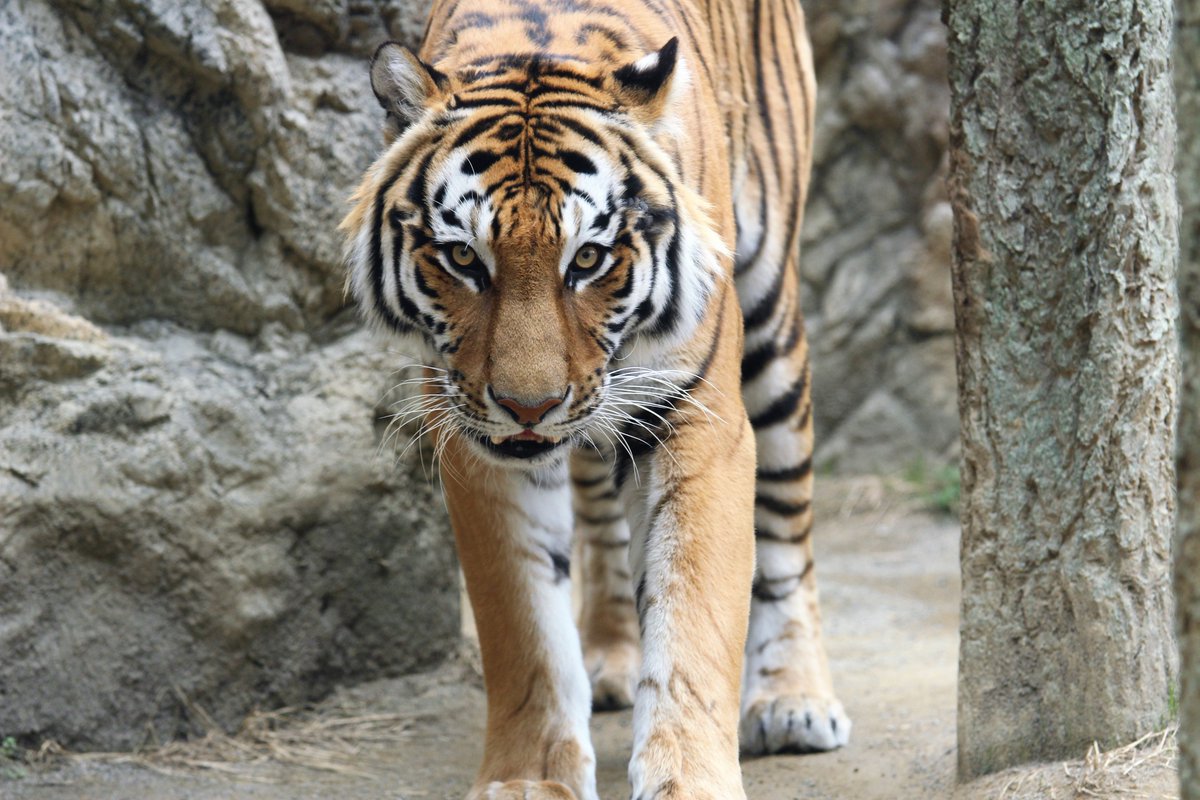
{"x":404,"y":84}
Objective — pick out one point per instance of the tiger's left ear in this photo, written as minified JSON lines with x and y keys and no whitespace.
{"x":404,"y":85}
{"x":648,"y":86}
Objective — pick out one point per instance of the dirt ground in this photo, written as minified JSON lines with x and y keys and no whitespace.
{"x":889,"y":583}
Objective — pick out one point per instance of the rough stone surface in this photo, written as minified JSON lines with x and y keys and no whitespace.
{"x":875,"y":254}
{"x":1187,"y":555}
{"x":194,"y":508}
{"x":1065,"y":296}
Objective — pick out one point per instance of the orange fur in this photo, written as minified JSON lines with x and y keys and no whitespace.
{"x":701,"y":113}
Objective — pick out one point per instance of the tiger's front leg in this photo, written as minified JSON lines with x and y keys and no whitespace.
{"x":608,"y":623}
{"x":693,"y":559}
{"x":513,"y":532}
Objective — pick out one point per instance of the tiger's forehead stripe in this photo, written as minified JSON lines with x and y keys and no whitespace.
{"x":530,"y":84}
{"x":534,"y":131}
{"x":564,"y":27}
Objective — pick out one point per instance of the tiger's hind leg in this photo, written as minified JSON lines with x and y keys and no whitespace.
{"x":788,"y":704}
{"x":608,"y":619}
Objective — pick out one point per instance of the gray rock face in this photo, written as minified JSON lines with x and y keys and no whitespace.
{"x":194,"y":507}
{"x":875,"y":254}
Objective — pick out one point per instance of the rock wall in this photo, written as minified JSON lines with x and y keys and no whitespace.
{"x":875,"y":254}
{"x":194,"y":508}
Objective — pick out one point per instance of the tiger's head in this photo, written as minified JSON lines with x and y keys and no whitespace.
{"x":525,"y":229}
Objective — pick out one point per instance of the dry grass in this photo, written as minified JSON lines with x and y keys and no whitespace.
{"x":336,"y":739}
{"x":872,"y":497}
{"x":1141,"y":770}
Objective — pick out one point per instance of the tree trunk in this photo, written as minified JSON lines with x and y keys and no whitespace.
{"x":1062,"y":136}
{"x":1187,"y":554}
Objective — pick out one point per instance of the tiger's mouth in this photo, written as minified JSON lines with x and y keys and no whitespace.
{"x":525,"y":444}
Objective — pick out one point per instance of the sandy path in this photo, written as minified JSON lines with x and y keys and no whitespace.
{"x":890,"y":593}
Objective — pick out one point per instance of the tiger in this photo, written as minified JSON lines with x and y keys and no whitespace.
{"x":584,"y":226}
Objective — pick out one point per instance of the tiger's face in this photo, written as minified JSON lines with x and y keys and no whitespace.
{"x":521,"y":231}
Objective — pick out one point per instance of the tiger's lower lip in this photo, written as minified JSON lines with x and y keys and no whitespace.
{"x":524,"y":445}
{"x":526,"y":436}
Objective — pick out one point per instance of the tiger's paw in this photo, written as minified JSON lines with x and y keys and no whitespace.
{"x":793,"y":724}
{"x":679,"y":789}
{"x":666,"y":767}
{"x":524,"y":790}
{"x":676,"y":791}
{"x":613,"y":672}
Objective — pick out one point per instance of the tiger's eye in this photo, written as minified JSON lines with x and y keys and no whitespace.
{"x":462,"y":255}
{"x":587,"y":257}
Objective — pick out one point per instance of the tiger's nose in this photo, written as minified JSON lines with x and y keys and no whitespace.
{"x":526,"y":414}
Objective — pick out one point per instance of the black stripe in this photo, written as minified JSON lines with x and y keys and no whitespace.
{"x":575,"y":103}
{"x":611,"y":35}
{"x":423,"y":285}
{"x":762,"y":309}
{"x":475,"y":129}
{"x":760,"y":591}
{"x":474,"y":19}
{"x":516,"y":87}
{"x":479,"y":161}
{"x":587,"y":483}
{"x":744,"y":262}
{"x":801,"y":470}
{"x":760,"y":47}
{"x":668,"y":316}
{"x":407,"y":306}
{"x":622,"y":291}
{"x":561,"y":564}
{"x":755,"y":361}
{"x":483,"y":102}
{"x":416,"y":192}
{"x":784,"y":406}
{"x":771,"y":536}
{"x":577,"y":162}
{"x":609,"y":520}
{"x":784,"y":508}
{"x":584,"y":132}
{"x":603,"y":219}
{"x":381,"y":306}
{"x":608,"y":544}
{"x":510,"y":131}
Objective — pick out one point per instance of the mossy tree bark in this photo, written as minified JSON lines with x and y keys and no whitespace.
{"x":1062,"y":139}
{"x":1187,"y":554}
